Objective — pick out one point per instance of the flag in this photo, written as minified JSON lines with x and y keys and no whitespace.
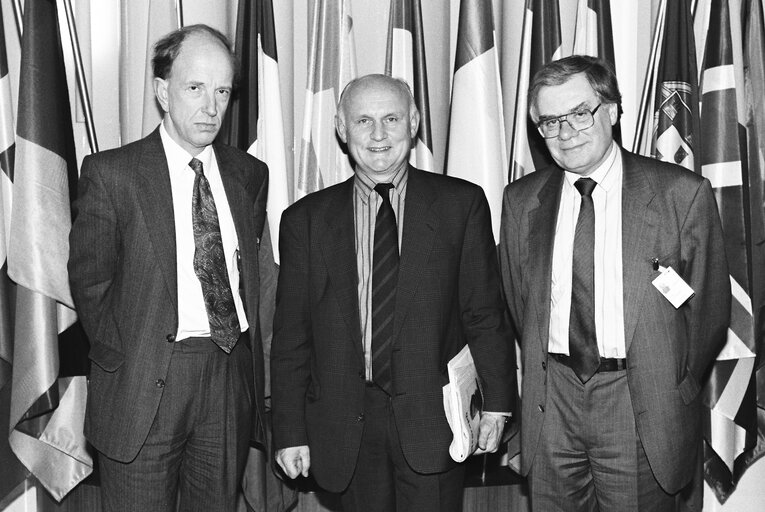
{"x":754,"y":66}
{"x":256,"y":126}
{"x":405,"y":59}
{"x":331,"y":65}
{"x":47,"y":412}
{"x":163,"y":19}
{"x":593,"y":35}
{"x":12,"y":474}
{"x":730,"y":428}
{"x":540,"y":44}
{"x":676,"y":91}
{"x":477,"y":150}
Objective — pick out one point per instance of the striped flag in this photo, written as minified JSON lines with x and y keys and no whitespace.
{"x":540,"y":44}
{"x":405,"y":59}
{"x":331,"y":65}
{"x":729,"y":393}
{"x":163,"y":18}
{"x":12,"y":474}
{"x":477,"y":149}
{"x":47,"y":412}
{"x":593,"y":35}
{"x":256,"y":126}
{"x":754,"y":69}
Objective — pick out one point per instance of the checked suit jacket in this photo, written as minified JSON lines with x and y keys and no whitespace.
{"x":448,"y":294}
{"x":670,"y":214}
{"x":122,"y":269}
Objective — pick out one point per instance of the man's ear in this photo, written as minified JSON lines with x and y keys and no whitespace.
{"x":414,"y":123}
{"x":340,"y":128}
{"x":613,"y":113}
{"x":160,"y":91}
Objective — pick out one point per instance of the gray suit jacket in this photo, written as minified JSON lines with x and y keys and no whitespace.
{"x":448,"y":295}
{"x":670,"y":214}
{"x":122,"y":269}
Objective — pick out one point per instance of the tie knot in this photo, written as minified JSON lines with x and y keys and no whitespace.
{"x":383,"y":188}
{"x":585,"y":186}
{"x":196,"y":166}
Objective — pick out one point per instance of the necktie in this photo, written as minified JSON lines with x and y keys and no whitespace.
{"x":210,"y":263}
{"x":583,"y":345}
{"x":384,"y":281}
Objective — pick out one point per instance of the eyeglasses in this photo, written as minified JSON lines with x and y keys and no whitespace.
{"x":578,"y":120}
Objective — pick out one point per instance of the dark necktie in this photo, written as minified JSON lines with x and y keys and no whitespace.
{"x":583,"y":345}
{"x":210,"y":263}
{"x":384,"y":281}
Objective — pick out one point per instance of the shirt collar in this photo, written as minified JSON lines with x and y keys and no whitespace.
{"x":604,"y":174}
{"x":365,"y":185}
{"x":179,"y":158}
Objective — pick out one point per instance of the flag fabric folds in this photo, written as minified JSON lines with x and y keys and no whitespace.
{"x":331,"y":65}
{"x":676,"y":95}
{"x":405,"y":59}
{"x":540,"y":44}
{"x":12,"y":474}
{"x":256,"y":126}
{"x":47,"y":412}
{"x":477,"y":149}
{"x":729,"y":392}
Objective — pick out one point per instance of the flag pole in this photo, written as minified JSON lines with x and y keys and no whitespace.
{"x":179,"y":12}
{"x":651,"y":72}
{"x":18,"y":11}
{"x":82,"y":85}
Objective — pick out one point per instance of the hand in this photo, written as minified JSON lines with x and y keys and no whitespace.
{"x":490,"y":432}
{"x":294,"y":461}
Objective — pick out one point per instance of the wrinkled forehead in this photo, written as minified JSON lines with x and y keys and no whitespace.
{"x":556,"y":100}
{"x":376,"y":97}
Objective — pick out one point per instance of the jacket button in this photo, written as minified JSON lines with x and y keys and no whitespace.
{"x":541,"y":408}
{"x":360,"y":418}
{"x":362,"y":374}
{"x":544,"y":366}
{"x":170,"y":338}
{"x":159,"y":383}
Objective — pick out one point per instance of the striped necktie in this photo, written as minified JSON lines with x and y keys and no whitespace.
{"x":384,"y":280}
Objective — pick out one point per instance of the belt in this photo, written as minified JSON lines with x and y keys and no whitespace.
{"x":607,"y":364}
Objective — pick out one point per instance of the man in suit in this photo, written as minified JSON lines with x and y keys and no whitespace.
{"x":611,"y":413}
{"x":164,"y":274}
{"x":359,"y":354}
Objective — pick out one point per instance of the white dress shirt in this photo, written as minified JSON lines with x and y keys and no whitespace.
{"x":609,"y":303}
{"x":192,"y":315}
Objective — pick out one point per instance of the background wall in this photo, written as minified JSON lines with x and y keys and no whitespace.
{"x":115,"y":36}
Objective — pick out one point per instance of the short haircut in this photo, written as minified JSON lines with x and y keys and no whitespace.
{"x":598,"y":73}
{"x":397,"y":83}
{"x":166,"y":50}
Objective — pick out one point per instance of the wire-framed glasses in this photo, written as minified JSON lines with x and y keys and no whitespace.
{"x":580,"y":119}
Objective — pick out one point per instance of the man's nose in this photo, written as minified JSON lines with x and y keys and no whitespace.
{"x":210,"y":106}
{"x":378,"y":132}
{"x":566,"y":131}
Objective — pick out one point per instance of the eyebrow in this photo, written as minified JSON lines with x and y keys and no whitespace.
{"x":581,"y":106}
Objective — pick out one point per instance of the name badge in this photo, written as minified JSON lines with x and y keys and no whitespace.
{"x":673,"y":287}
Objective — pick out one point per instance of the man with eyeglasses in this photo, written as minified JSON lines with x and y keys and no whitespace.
{"x":615,"y":275}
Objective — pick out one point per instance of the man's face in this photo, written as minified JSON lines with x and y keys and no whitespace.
{"x":196,"y":93}
{"x":378,"y":127}
{"x":582,"y":151}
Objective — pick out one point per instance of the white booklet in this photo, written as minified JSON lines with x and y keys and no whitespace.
{"x":463,"y":402}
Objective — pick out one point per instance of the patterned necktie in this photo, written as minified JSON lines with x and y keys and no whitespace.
{"x":583,"y":345}
{"x":384,"y":281}
{"x":210,"y":263}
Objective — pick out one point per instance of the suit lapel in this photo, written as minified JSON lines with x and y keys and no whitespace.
{"x":420,"y":223}
{"x":541,"y":228}
{"x":639,"y":226}
{"x":156,"y":203}
{"x":339,"y":251}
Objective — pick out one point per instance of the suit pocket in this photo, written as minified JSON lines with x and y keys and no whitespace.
{"x":689,"y":388}
{"x":107,"y":358}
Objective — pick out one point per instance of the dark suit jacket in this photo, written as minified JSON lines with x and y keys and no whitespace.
{"x":122,"y":268}
{"x":448,"y":294}
{"x":667,"y":213}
